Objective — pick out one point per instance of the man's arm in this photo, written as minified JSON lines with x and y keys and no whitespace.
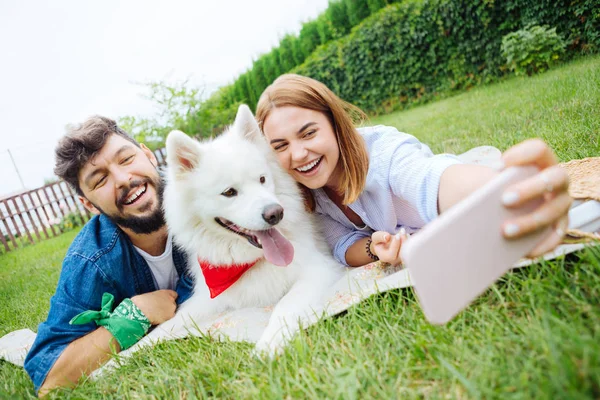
{"x":82,"y":356}
{"x":88,"y":353}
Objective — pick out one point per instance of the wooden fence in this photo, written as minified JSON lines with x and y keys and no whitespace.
{"x":44,"y":212}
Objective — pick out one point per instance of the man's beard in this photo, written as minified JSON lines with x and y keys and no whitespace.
{"x":142,"y":225}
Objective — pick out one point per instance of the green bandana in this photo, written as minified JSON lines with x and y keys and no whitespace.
{"x":127,"y":323}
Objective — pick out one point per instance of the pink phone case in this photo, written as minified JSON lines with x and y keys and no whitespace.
{"x":457,"y":256}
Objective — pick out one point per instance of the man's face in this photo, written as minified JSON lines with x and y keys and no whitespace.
{"x":122,"y":182}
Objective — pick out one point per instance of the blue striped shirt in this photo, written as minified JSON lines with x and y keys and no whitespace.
{"x":401,"y":190}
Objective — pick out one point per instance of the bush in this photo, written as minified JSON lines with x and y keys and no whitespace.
{"x":324,"y":28}
{"x":375,"y":5}
{"x":405,"y":53}
{"x":273,"y":64}
{"x":357,"y":11}
{"x":258,"y":72}
{"x":286,"y":57}
{"x":309,"y":37}
{"x":412,"y":51}
{"x":337,"y":13}
{"x":298,"y":52}
{"x":70,"y":221}
{"x":532,"y":50}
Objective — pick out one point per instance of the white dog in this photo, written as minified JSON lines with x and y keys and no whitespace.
{"x":243,"y":221}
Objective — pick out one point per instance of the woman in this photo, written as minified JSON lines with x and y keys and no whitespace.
{"x":367,"y":184}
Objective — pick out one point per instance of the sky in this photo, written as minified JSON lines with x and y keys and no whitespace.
{"x":62,"y":61}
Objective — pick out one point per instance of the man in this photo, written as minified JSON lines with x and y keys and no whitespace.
{"x":125,"y":251}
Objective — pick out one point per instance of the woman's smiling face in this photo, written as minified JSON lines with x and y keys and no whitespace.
{"x":305,"y":144}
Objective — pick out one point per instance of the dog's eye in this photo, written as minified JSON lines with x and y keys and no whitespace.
{"x":262,"y":179}
{"x":230,"y":192}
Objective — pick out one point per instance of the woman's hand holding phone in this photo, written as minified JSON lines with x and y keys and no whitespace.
{"x":550,"y":186}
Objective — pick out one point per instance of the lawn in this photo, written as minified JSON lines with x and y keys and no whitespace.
{"x":535,"y":334}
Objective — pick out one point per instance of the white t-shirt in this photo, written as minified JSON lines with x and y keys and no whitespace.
{"x":162,"y":266}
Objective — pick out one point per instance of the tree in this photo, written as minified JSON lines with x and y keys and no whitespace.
{"x":178,"y":105}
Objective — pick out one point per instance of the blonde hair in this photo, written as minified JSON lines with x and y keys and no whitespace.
{"x":300,"y":91}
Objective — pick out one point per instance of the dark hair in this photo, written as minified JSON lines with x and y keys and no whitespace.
{"x":81,"y":143}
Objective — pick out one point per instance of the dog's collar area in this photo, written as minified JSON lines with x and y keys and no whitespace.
{"x":219,"y":278}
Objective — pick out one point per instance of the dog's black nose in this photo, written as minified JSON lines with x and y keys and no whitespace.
{"x":273,"y":214}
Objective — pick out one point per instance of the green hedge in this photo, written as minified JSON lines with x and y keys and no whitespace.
{"x":419,"y":48}
{"x":334,"y":23}
{"x":404,"y":53}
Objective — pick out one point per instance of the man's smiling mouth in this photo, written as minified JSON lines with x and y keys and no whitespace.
{"x":135,"y":196}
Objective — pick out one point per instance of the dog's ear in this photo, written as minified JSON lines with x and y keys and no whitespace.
{"x":183,"y":152}
{"x":245,"y":124}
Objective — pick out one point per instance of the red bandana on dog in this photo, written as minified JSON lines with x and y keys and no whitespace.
{"x":220,"y":277}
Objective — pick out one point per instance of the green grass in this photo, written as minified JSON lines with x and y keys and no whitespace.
{"x":28,"y":278}
{"x":535,"y":334}
{"x":562,"y":107}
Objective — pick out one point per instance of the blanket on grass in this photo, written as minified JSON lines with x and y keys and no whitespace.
{"x":247,"y":324}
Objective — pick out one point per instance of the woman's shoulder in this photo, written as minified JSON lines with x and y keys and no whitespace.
{"x":384,"y":139}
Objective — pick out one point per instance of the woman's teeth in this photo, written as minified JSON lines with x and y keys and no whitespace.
{"x":310,"y":166}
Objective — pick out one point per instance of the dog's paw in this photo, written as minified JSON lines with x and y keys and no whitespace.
{"x":268,"y":349}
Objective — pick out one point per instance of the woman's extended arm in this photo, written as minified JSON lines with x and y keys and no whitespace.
{"x":550,"y":184}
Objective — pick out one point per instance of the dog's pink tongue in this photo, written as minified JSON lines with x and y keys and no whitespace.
{"x":278,"y":250}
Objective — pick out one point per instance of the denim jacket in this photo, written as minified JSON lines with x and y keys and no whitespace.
{"x":100,"y":259}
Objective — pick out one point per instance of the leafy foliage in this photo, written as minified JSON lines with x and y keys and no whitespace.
{"x":334,"y":23}
{"x":406,"y":52}
{"x":337,"y":13}
{"x":70,"y":221}
{"x":534,"y":334}
{"x":357,"y":11}
{"x":418,"y":49}
{"x":532,"y":50}
{"x":178,"y":107}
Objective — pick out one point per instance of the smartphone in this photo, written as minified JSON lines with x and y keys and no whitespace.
{"x":454,"y":258}
{"x":585,"y":216}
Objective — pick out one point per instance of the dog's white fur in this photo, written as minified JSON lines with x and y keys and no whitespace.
{"x":198,"y":174}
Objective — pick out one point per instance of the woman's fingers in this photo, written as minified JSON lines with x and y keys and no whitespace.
{"x":546,"y":214}
{"x":387,"y":250}
{"x":553,"y":239}
{"x":551,"y":185}
{"x":380,"y":237}
{"x":530,"y":152}
{"x":550,"y":180}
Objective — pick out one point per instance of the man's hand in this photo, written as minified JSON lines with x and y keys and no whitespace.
{"x":157,"y":306}
{"x":89,"y":352}
{"x":387,"y":246}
